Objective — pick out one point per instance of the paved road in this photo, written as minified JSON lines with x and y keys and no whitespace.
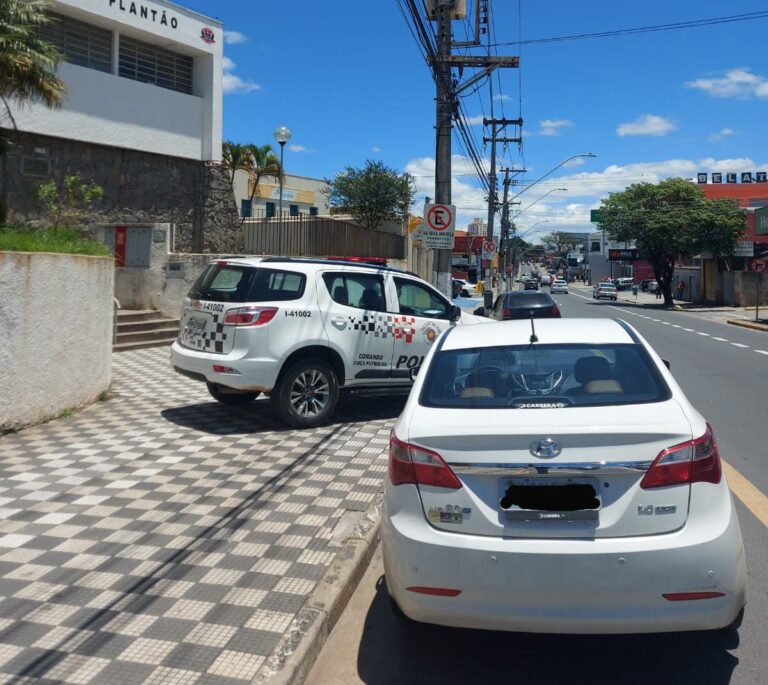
{"x":724,"y":370}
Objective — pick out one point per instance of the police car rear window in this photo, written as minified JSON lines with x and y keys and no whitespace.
{"x":236,"y":283}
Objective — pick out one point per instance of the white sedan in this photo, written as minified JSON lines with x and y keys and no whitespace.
{"x":558,"y":481}
{"x":559,"y":286}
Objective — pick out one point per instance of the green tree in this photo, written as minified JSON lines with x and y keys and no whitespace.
{"x":258,"y":161}
{"x":559,"y":241}
{"x":671,"y":219}
{"x":373,"y":194}
{"x":27,"y":63}
{"x":68,"y":206}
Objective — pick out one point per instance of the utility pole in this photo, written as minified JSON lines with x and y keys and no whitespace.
{"x":497,"y":125}
{"x":443,"y":12}
{"x":445,"y":104}
{"x":505,"y":222}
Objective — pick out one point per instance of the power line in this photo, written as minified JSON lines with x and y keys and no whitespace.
{"x":693,"y":23}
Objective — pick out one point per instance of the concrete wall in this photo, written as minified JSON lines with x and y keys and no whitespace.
{"x":56,"y":326}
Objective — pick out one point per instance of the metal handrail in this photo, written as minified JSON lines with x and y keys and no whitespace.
{"x":115,"y":307}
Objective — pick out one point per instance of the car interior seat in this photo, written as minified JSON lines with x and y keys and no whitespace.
{"x":340,"y":294}
{"x":594,"y":376}
{"x":371,"y":300}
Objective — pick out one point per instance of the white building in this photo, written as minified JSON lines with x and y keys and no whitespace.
{"x":141,"y":117}
{"x":301,"y":195}
{"x":140,"y":75}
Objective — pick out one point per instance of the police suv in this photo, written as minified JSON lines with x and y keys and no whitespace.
{"x":300,"y":329}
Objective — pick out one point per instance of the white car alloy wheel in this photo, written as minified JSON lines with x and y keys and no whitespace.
{"x":306,"y":394}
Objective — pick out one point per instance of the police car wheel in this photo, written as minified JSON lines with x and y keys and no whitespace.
{"x":231,"y":398}
{"x":306,"y":394}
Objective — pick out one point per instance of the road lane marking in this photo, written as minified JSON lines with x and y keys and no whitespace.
{"x":719,"y":339}
{"x":751,"y":497}
{"x":689,"y":330}
{"x":700,"y":333}
{"x":761,"y":351}
{"x":739,"y":345}
{"x":675,"y":325}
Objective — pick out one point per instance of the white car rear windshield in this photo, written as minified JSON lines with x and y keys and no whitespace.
{"x":543,"y":377}
{"x":237,"y":283}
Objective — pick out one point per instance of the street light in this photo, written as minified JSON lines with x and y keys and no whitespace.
{"x":551,"y":171}
{"x":554,"y":190}
{"x":282,"y":136}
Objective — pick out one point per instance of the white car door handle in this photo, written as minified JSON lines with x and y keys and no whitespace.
{"x":339,"y":322}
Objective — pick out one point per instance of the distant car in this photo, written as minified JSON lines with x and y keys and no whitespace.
{"x":649,"y":285}
{"x":559,"y":286}
{"x":524,"y":305}
{"x":530,"y":284}
{"x":604,"y":291}
{"x":624,"y":283}
{"x":558,"y":484}
{"x":456,"y":287}
{"x":546,"y":279}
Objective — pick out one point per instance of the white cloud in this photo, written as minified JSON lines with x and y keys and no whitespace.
{"x":300,"y":148}
{"x":476,"y":120}
{"x":234,"y":37}
{"x":724,"y":133}
{"x":563,"y":211}
{"x":576,"y":161}
{"x":375,"y":149}
{"x":736,"y":83}
{"x":502,"y":97}
{"x":646,"y":125}
{"x":231,"y":83}
{"x":553,"y":127}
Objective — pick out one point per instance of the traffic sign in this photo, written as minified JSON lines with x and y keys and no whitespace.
{"x":759,"y":265}
{"x":489,"y":249}
{"x":594,"y":216}
{"x":438,"y":227}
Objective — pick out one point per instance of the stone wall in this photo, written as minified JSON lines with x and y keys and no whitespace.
{"x":56,"y":322}
{"x":139,"y":188}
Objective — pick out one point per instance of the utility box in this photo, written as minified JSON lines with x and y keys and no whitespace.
{"x":459,"y":8}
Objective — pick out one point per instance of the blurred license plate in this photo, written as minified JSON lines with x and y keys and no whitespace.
{"x":195,"y":327}
{"x":549,"y":499}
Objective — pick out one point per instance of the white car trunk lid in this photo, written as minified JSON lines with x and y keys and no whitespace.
{"x":590,"y":489}
{"x":202,"y":326}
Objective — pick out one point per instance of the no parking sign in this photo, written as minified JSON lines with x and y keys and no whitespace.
{"x":439,"y":224}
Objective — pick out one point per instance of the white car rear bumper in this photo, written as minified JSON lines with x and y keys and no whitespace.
{"x":257,"y":374}
{"x":611,"y":585}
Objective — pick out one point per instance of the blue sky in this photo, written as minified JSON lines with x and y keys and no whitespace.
{"x":347,"y":78}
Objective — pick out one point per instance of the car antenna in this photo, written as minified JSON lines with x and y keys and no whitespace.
{"x":534,"y":337}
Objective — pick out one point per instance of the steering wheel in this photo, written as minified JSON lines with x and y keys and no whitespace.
{"x":539,"y":383}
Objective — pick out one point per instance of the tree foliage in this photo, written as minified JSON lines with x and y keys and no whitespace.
{"x":27,"y":63}
{"x":671,"y":219}
{"x":559,"y":241}
{"x":258,"y":161}
{"x":69,"y":204}
{"x":373,"y":194}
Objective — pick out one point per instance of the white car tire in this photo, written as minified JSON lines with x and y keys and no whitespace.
{"x":306,"y":393}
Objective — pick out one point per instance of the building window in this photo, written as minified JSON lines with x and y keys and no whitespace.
{"x":36,"y":166}
{"x":270,"y":209}
{"x":595,"y":246}
{"x":245,"y":208}
{"x":313,"y":211}
{"x":151,"y":64}
{"x":80,"y":43}
{"x":294,"y":210}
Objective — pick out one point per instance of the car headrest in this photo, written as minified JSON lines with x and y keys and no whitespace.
{"x":340,"y":294}
{"x":607,"y":387}
{"x":473,"y":393}
{"x":591,"y":368}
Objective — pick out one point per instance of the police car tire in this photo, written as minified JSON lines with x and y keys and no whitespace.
{"x":280,"y":396}
{"x":231,"y":399}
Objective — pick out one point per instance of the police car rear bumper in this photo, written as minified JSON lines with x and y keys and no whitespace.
{"x":257,"y":374}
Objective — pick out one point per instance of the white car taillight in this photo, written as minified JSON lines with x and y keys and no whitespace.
{"x":249,"y":316}
{"x":414,"y":464}
{"x":694,"y":461}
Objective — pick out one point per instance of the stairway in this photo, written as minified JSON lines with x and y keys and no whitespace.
{"x":141,"y":328}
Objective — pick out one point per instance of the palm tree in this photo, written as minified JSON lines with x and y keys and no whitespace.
{"x":258,"y":161}
{"x":27,"y":63}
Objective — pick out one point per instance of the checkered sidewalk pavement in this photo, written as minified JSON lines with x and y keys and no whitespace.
{"x":160,"y":537}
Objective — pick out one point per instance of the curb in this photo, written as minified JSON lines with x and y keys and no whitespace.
{"x":748,"y":324}
{"x":299,"y":648}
